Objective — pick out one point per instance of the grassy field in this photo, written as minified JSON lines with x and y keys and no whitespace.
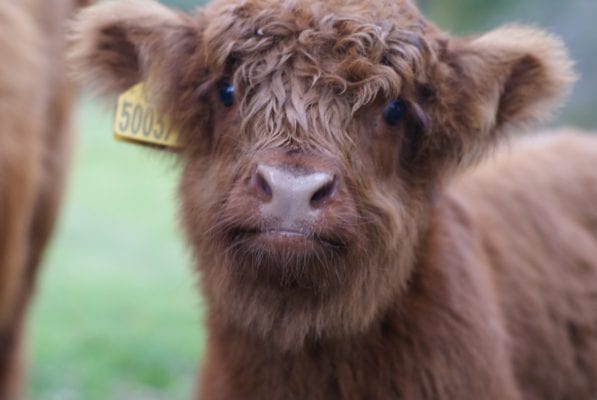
{"x":116,"y":315}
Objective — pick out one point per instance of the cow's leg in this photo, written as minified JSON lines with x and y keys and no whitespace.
{"x":19,"y":170}
{"x":56,"y":158}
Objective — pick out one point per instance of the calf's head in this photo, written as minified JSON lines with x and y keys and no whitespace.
{"x":314,"y":136}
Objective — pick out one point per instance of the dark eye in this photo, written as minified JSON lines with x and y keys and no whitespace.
{"x":226,"y":92}
{"x":394,"y":112}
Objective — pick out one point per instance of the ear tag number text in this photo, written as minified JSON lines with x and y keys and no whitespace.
{"x":136,"y":121}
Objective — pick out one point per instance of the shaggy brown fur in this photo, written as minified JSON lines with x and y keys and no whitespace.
{"x":419,"y":276}
{"x":35,"y":105}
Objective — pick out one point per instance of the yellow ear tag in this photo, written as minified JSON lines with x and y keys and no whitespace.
{"x":136,"y":121}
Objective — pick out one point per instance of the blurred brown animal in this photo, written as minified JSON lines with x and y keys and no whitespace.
{"x":349,"y":242}
{"x":35,"y":114}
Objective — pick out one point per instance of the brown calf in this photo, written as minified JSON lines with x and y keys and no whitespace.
{"x":348,"y":247}
{"x":35,"y":108}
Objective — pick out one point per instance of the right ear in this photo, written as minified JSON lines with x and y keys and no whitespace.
{"x":116,"y":44}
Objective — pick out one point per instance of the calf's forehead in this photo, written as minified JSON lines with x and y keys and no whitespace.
{"x":250,"y":27}
{"x":305,"y":67}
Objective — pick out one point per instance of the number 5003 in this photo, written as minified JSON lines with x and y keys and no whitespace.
{"x":135,"y":120}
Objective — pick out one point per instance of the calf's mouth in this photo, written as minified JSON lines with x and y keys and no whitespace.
{"x":300,"y":241}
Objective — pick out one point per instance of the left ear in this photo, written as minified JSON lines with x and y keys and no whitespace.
{"x":506,"y":78}
{"x":531,"y":72}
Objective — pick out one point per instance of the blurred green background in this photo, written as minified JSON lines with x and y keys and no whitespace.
{"x":117,"y":315}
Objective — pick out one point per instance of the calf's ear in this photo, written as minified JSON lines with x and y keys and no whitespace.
{"x":505,"y":79}
{"x":116,"y":44}
{"x":530,"y":69}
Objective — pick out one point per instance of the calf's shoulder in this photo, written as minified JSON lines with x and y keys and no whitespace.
{"x":531,"y":216}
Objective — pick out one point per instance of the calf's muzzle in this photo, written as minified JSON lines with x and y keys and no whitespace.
{"x":291,"y":193}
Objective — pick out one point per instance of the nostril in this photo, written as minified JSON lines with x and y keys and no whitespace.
{"x":326,"y":192}
{"x":261,"y":185}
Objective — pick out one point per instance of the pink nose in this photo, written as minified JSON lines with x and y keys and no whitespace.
{"x":292,"y":197}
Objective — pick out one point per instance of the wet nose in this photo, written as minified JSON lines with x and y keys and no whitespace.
{"x":290,"y":196}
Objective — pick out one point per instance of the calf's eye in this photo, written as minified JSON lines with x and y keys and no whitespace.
{"x":226,"y":92}
{"x":394,"y":112}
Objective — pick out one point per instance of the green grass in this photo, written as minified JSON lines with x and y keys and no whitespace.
{"x":116,"y":315}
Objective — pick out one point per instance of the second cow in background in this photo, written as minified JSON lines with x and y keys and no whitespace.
{"x":36,"y":101}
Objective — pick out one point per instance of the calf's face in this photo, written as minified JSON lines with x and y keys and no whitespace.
{"x":314,"y":136}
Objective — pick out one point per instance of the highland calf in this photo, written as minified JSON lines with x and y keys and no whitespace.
{"x":35,"y":109}
{"x":351,"y":243}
